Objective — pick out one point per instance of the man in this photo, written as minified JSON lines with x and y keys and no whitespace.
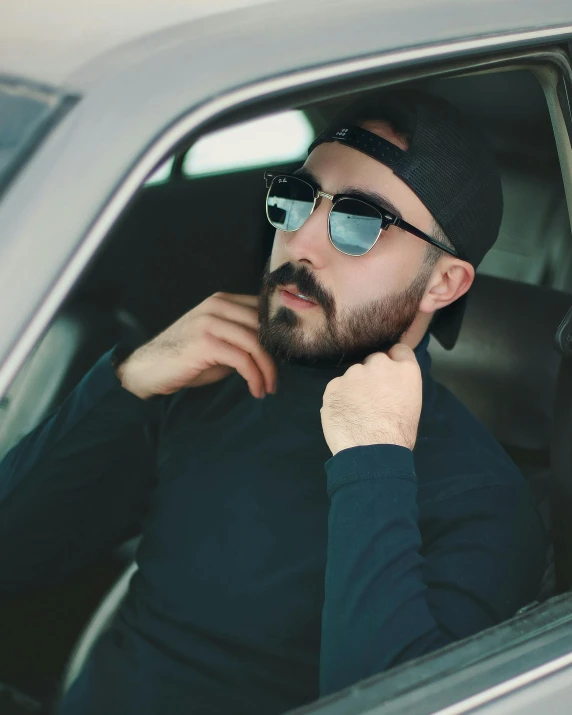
{"x":265,"y":580}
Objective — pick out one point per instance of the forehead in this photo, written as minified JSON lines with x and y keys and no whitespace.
{"x":344,"y":166}
{"x":338,"y":167}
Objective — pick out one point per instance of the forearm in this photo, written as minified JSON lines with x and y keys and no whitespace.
{"x":76,"y":482}
{"x":391,"y":595}
{"x":373,"y":567}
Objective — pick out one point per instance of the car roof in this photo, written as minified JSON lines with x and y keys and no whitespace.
{"x":49,"y":41}
{"x":52,"y":42}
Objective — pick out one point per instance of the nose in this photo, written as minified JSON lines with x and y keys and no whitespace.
{"x":310,"y":244}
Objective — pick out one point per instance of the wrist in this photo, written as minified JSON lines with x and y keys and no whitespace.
{"x":386,"y":438}
{"x":372,"y":462}
{"x":124,"y":363}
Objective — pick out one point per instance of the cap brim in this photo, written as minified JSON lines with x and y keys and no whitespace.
{"x":446,"y":324}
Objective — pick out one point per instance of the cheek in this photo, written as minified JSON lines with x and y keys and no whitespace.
{"x":367,"y":281}
{"x":278,"y":255}
{"x":391,"y":269}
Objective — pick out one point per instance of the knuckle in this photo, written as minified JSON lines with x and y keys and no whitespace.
{"x":243,"y":359}
{"x":207,"y":342}
{"x":376,"y":360}
{"x":203,"y":322}
{"x":214,"y":301}
{"x":402,"y":352}
{"x":332,"y":385}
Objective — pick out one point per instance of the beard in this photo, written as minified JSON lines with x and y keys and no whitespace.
{"x":348,"y":335}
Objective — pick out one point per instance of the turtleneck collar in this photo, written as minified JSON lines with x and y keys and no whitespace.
{"x":320,"y":372}
{"x":422,"y":354}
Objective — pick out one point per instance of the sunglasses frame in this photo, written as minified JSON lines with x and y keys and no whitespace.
{"x":387,"y":218}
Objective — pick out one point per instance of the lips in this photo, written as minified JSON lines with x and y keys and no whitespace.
{"x":293,"y":290}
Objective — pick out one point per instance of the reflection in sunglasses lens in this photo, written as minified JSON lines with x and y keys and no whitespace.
{"x":354,"y":226}
{"x":289,"y":203}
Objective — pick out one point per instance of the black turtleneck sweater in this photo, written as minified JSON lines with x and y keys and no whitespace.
{"x":269,"y":571}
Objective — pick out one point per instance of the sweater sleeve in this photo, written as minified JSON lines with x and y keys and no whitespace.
{"x":78,"y":484}
{"x":391,"y":595}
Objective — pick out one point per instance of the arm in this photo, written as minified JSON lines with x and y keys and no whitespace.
{"x":81,"y":481}
{"x":77,"y":484}
{"x":391,"y":597}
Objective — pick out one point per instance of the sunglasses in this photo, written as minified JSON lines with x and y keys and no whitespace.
{"x":354,"y":225}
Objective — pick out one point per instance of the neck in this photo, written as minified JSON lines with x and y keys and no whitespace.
{"x":416,"y":332}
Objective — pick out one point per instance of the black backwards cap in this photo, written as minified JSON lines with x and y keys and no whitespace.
{"x":448,"y":165}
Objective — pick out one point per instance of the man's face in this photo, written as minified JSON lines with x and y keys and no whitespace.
{"x":359,"y":304}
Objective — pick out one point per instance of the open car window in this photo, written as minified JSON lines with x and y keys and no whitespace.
{"x":274,"y":139}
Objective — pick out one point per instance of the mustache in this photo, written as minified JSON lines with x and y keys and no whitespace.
{"x":307,"y":284}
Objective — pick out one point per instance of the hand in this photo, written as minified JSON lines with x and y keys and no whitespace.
{"x":208,"y":343}
{"x":377,"y":402}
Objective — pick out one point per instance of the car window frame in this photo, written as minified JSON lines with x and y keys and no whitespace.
{"x":469,"y":674}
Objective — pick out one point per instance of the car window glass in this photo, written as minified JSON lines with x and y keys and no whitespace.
{"x":273,"y":139}
{"x":25,"y":108}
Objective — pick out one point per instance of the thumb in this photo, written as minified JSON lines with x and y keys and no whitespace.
{"x":402,"y":353}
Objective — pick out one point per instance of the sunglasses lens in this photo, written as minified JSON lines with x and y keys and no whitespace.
{"x":354,"y":226}
{"x":289,"y":203}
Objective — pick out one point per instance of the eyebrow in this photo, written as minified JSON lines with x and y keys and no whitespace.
{"x":372,"y":197}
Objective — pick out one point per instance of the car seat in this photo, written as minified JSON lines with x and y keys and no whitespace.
{"x":504,"y":369}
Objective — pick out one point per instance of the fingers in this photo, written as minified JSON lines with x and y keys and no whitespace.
{"x":243,"y":363}
{"x":402,"y":353}
{"x":234,"y":311}
{"x":250,"y":301}
{"x":398,"y":353}
{"x":247,"y":340}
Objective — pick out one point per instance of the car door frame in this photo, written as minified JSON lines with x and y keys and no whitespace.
{"x":479,"y":674}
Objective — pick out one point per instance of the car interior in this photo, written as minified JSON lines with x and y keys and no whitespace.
{"x":198,"y":226}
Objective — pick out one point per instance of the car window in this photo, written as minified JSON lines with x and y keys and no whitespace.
{"x":273,"y":139}
{"x":25,"y":108}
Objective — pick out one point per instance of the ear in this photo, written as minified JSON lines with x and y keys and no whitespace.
{"x":451,"y":278}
